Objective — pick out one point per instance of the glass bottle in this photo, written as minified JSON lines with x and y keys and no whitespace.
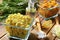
{"x":31,"y":10}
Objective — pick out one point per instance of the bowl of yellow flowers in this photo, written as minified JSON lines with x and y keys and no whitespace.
{"x":18,"y":26}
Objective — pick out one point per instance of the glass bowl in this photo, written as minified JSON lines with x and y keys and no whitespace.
{"x":18,"y":32}
{"x":49,"y":17}
{"x":48,"y":12}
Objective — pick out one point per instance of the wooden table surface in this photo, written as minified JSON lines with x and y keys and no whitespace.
{"x":50,"y":36}
{"x":3,"y":35}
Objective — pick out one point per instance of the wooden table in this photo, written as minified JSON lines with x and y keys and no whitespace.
{"x":3,"y":34}
{"x":50,"y":36}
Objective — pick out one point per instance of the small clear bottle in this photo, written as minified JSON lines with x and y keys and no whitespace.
{"x":31,"y":10}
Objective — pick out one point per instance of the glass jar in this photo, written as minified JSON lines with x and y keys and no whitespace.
{"x":31,"y":12}
{"x":16,"y":32}
{"x":49,"y":11}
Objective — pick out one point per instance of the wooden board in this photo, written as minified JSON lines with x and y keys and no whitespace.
{"x":2,"y":31}
{"x":32,"y":36}
{"x":4,"y":38}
